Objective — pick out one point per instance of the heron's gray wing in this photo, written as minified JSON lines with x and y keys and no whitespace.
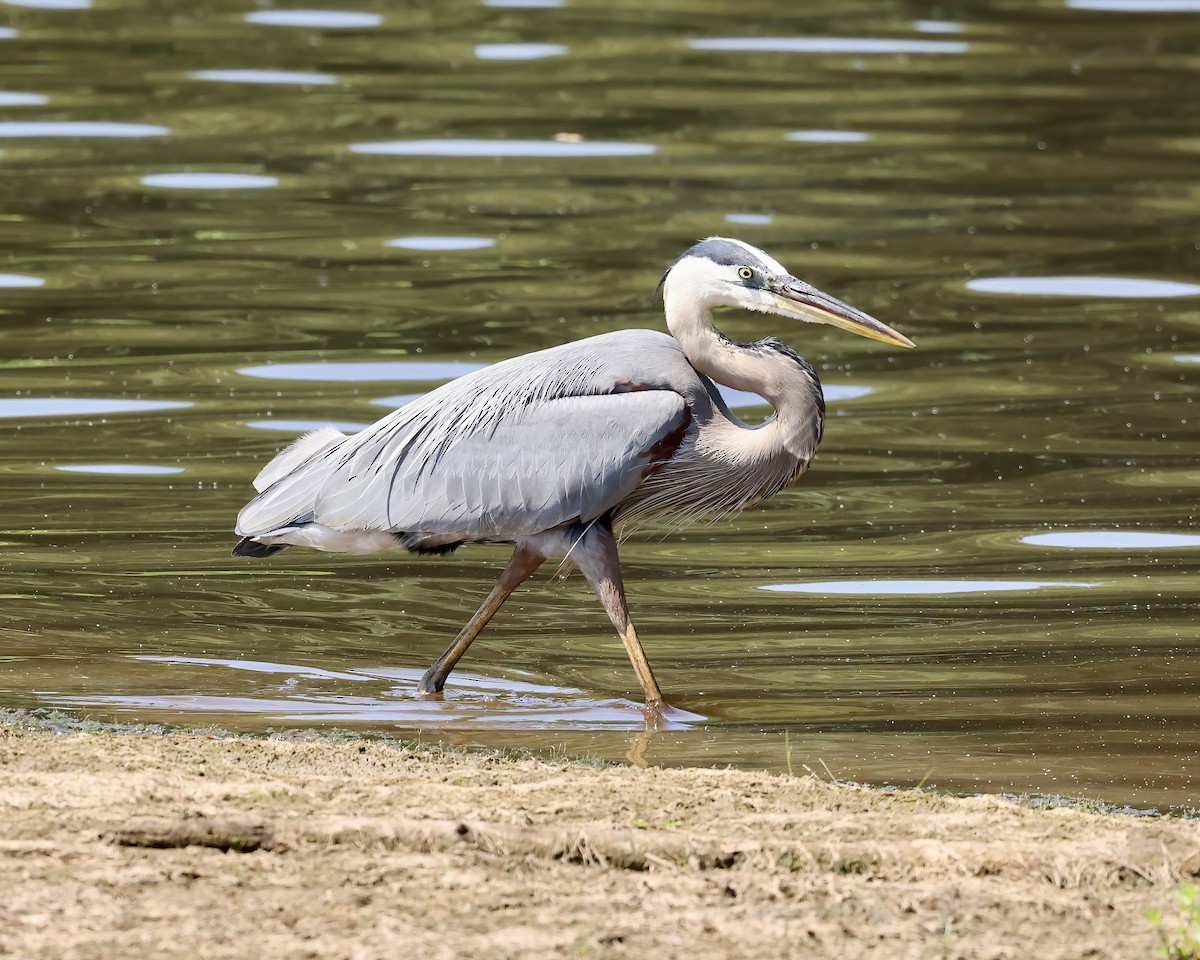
{"x":558,"y":460}
{"x":450,"y":478}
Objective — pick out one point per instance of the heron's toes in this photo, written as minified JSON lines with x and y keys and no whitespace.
{"x":431,"y":684}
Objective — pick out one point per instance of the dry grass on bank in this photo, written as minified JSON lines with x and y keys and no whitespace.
{"x":188,"y":846}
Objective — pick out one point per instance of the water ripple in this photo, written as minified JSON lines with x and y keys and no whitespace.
{"x":20,"y":280}
{"x":518,"y":51}
{"x":1110,"y":287}
{"x":407,"y":370}
{"x":749,"y":219}
{"x":937,"y":26}
{"x":504,"y":148}
{"x":316,"y":19}
{"x":81,"y":406}
{"x":122,"y":469}
{"x":51,"y":4}
{"x":79,"y":128}
{"x":1137,"y":6}
{"x":905,"y":588}
{"x":209,"y":181}
{"x":13,"y":98}
{"x":441,"y":243}
{"x":863,"y":45}
{"x":828,"y":136}
{"x":265,"y":76}
{"x":304,"y":426}
{"x":1112,"y":540}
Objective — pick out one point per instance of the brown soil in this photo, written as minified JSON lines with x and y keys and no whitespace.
{"x":188,"y":846}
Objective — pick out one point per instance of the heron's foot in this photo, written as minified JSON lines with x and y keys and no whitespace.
{"x":432,"y":683}
{"x":658,"y":714}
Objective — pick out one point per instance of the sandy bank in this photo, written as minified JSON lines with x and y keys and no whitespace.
{"x":188,"y":846}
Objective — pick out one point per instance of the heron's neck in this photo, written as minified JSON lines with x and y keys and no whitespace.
{"x":795,"y":394}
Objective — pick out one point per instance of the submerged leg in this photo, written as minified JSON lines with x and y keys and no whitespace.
{"x":596,"y":557}
{"x":520,"y":565}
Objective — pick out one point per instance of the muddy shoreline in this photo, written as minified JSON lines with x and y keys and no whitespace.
{"x":170,"y":845}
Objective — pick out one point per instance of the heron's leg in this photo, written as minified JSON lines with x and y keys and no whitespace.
{"x":520,"y":565}
{"x":596,"y":557}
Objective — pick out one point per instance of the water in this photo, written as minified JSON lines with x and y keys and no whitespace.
{"x":226,"y":224}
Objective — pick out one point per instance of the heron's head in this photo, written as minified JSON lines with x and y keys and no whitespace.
{"x":719,"y":272}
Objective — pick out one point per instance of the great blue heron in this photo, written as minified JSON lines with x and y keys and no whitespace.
{"x":556,"y":451}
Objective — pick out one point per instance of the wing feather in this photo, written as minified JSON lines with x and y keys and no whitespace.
{"x":510,"y":451}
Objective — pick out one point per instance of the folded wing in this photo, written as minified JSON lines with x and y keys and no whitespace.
{"x":492,"y":459}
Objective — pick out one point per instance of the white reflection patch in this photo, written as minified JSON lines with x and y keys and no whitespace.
{"x":1109,"y":287}
{"x":20,"y":280}
{"x":81,"y":406}
{"x":907,"y":588}
{"x":316,"y":19}
{"x":519,"y":51}
{"x":383,"y":371}
{"x":13,"y":98}
{"x":209,"y":181}
{"x":828,"y":136}
{"x":504,"y":148}
{"x":124,"y":469}
{"x":265,"y":76}
{"x":441,"y":243}
{"x":826,"y":45}
{"x":1113,"y":540}
{"x":78,"y":128}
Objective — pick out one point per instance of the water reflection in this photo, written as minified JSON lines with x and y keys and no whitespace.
{"x":441,"y":243}
{"x":81,"y":406}
{"x":1137,"y":6}
{"x":209,"y":181}
{"x":78,"y":128}
{"x":1113,"y":287}
{"x":1113,"y":540}
{"x":749,"y":219}
{"x":12,"y":98}
{"x":51,"y":4}
{"x":937,"y":26}
{"x":117,"y":290}
{"x":20,"y":280}
{"x":304,"y":693}
{"x":907,"y":588}
{"x":862,"y":45}
{"x":316,"y":19}
{"x":254,"y":666}
{"x":304,"y":426}
{"x":119,"y":469}
{"x":504,"y":148}
{"x":355,"y":372}
{"x":834,"y":393}
{"x":265,"y":77}
{"x":828,"y":136}
{"x":518,"y":51}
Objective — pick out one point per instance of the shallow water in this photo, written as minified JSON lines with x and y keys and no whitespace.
{"x":225,"y":225}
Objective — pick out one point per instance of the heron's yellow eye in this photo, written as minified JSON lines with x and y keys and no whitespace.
{"x":745,"y":273}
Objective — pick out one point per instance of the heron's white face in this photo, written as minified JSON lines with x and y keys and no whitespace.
{"x":721,"y":272}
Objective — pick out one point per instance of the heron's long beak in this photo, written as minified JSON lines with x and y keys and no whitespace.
{"x":795,"y":298}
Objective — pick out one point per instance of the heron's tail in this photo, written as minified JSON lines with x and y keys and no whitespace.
{"x":287,"y":494}
{"x":249,"y":547}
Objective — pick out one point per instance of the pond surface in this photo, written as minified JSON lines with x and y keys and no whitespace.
{"x":226,"y":223}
